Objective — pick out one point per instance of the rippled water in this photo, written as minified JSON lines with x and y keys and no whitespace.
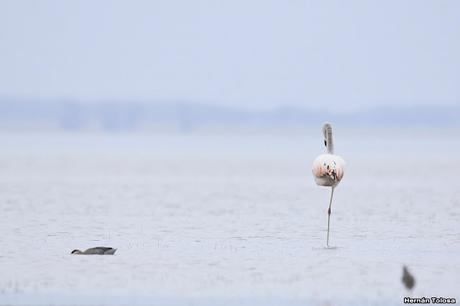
{"x":225,"y":219}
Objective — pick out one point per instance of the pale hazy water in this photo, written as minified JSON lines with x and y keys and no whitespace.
{"x":229,"y":218}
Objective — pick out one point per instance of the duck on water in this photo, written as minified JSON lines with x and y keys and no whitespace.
{"x":95,"y":251}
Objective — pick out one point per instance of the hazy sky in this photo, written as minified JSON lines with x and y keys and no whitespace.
{"x":257,"y":54}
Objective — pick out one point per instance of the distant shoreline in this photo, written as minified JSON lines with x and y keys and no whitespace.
{"x":30,"y":114}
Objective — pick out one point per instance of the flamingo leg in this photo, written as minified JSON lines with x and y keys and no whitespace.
{"x":329,"y":216}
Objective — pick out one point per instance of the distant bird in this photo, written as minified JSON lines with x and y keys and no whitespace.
{"x":95,"y":251}
{"x":328,"y":169}
{"x":407,"y":279}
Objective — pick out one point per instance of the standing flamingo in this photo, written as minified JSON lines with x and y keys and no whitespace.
{"x":328,"y":169}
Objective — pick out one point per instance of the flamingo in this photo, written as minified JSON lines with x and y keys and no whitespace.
{"x":328,"y":169}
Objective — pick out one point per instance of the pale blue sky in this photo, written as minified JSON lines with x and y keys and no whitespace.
{"x":254,"y":54}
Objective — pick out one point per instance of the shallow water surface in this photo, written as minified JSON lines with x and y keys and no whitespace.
{"x":226,"y":219}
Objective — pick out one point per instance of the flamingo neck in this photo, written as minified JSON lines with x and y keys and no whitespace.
{"x":329,"y":141}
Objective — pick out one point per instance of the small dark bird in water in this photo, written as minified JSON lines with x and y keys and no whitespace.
{"x":407,"y":279}
{"x":95,"y":251}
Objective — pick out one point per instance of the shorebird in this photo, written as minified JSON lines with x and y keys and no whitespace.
{"x":328,"y":169}
{"x":407,"y":279}
{"x":95,"y":251}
